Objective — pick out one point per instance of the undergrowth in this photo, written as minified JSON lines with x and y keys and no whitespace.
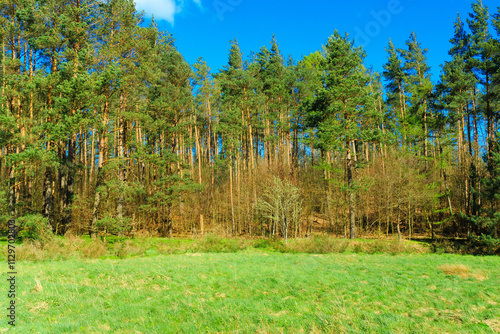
{"x":483,"y":245}
{"x":72,"y":247}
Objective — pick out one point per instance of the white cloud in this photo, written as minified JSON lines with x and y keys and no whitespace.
{"x":163,"y":9}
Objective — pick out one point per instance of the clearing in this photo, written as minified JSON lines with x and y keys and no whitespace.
{"x":254,"y":291}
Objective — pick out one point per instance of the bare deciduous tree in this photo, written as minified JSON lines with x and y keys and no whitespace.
{"x":281,"y":204}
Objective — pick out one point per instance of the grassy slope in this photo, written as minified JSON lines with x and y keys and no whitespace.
{"x":251,"y":291}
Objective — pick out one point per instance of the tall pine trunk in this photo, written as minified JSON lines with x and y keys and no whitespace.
{"x":352,"y":214}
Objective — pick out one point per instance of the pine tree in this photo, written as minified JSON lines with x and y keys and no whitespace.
{"x":419,"y":88}
{"x":490,"y":192}
{"x":396,"y":78}
{"x":456,"y":86}
{"x":231,"y":125}
{"x":495,"y":90}
{"x":205,"y":120}
{"x":272,"y":75}
{"x":342,"y":106}
{"x":480,"y":61}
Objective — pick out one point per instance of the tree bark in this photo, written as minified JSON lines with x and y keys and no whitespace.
{"x":352,"y":214}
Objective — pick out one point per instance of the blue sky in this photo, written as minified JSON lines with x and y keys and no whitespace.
{"x":203,"y":28}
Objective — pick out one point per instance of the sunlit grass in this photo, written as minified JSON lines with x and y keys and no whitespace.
{"x":257,"y":291}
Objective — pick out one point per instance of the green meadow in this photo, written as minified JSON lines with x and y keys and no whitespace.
{"x":259,"y":290}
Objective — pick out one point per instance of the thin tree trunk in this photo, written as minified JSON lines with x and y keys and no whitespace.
{"x":231,"y":193}
{"x":199,"y":155}
{"x":352,"y":214}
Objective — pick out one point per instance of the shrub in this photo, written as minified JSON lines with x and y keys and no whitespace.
{"x":319,"y":245}
{"x":393,"y":247}
{"x":358,"y":248}
{"x":483,"y":245}
{"x":35,"y":227}
{"x":30,"y":250}
{"x":126,"y":248}
{"x":215,"y":244}
{"x":94,"y":249}
{"x":113,"y":225}
{"x":274,"y":243}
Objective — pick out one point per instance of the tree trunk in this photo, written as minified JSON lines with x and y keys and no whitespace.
{"x":233,"y":229}
{"x":352,"y":214}
{"x":47,"y":197}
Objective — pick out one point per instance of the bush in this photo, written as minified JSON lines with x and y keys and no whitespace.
{"x":126,"y":248}
{"x":35,"y":227}
{"x":94,"y":249}
{"x":483,"y":245}
{"x":447,"y":246}
{"x":393,"y":247}
{"x":30,"y":250}
{"x":274,"y":243}
{"x":215,"y":244}
{"x":358,"y":248}
{"x":319,"y":245}
{"x":113,"y":225}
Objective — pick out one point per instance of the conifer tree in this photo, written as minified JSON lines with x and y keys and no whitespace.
{"x":205,"y":120}
{"x":456,"y":85}
{"x":496,"y":64}
{"x":396,"y":78}
{"x":230,"y":126}
{"x":482,"y":65}
{"x":490,"y":192}
{"x":343,"y":104}
{"x":419,"y":88}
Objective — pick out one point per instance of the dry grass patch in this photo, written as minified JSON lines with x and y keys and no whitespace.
{"x":60,"y":249}
{"x":31,"y":250}
{"x":94,"y":250}
{"x":43,"y":306}
{"x":456,"y":270}
{"x":280,"y":313}
{"x":388,"y":246}
{"x":126,"y":248}
{"x":463,"y":271}
{"x":494,"y":324}
{"x":168,"y":248}
{"x":38,"y":287}
{"x":480,"y":275}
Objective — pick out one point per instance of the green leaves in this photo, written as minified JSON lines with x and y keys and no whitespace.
{"x":35,"y":227}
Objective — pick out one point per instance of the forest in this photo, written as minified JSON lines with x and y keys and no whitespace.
{"x":105,"y":129}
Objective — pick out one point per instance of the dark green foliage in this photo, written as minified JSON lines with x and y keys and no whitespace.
{"x":491,"y":191}
{"x":476,"y":245}
{"x":105,"y":129}
{"x":343,"y":100}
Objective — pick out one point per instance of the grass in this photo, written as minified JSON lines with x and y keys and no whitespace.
{"x":259,"y":290}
